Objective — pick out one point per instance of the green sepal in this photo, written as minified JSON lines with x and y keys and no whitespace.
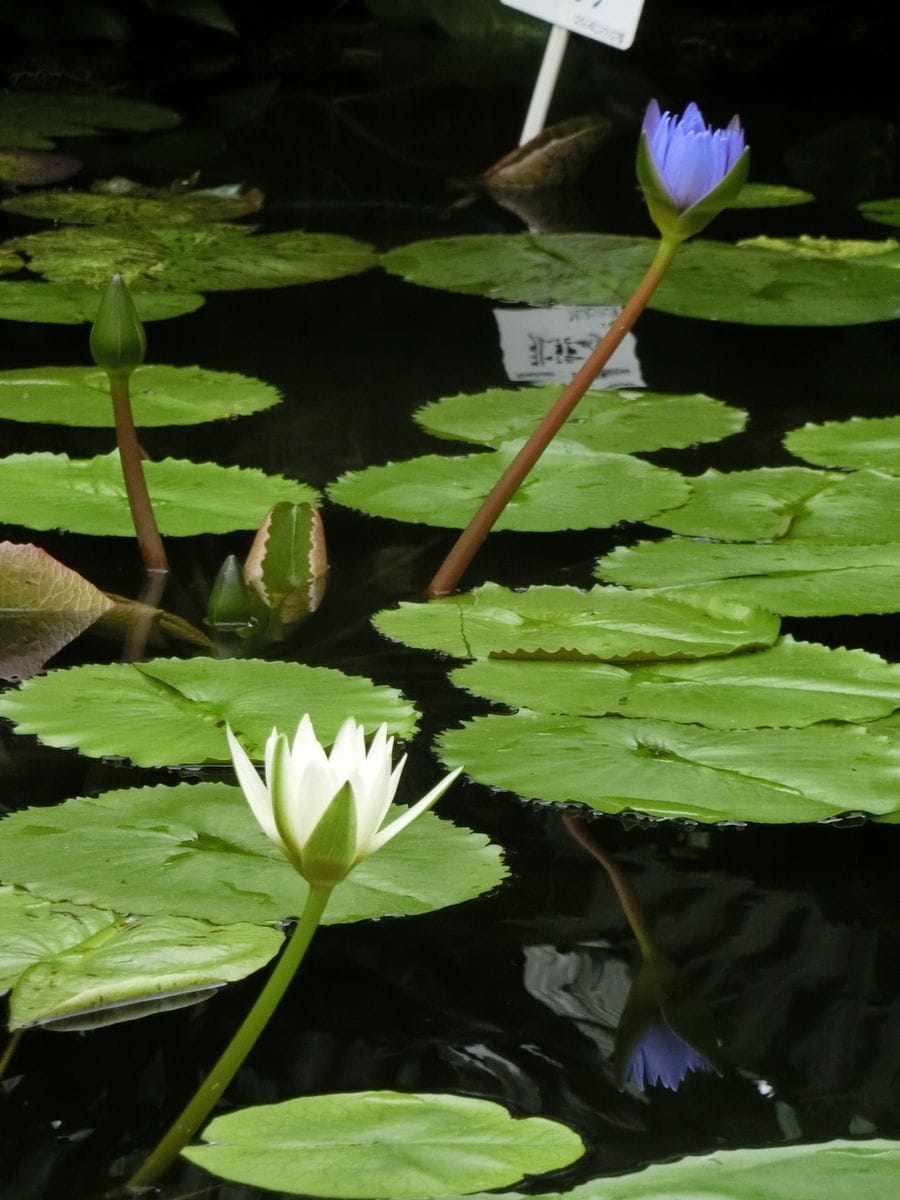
{"x":232,"y":603}
{"x":330,"y":851}
{"x":118,"y":342}
{"x":672,"y":222}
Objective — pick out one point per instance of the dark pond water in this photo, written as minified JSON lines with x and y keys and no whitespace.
{"x":789,"y":934}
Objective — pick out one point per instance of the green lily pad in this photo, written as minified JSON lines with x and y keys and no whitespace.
{"x":73,"y":303}
{"x":614,"y":422}
{"x":564,"y":622}
{"x":196,"y":851}
{"x":795,"y":579}
{"x":408,"y":1146}
{"x":99,"y":207}
{"x":664,"y":769}
{"x":765,"y":282}
{"x":840,"y":1170}
{"x":171,"y":711}
{"x":769,"y":195}
{"x":569,"y":488}
{"x":860,"y":442}
{"x":790,"y":684}
{"x":33,"y":119}
{"x":75,"y":963}
{"x":884,"y":212}
{"x":189,"y":258}
{"x":43,"y":606}
{"x":792,"y":502}
{"x":159,"y":395}
{"x":53,"y":491}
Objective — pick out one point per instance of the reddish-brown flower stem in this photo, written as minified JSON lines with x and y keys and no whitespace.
{"x":468,"y":542}
{"x":150,"y":543}
{"x":631,"y":906}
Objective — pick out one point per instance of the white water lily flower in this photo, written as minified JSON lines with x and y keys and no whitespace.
{"x":325,"y":812}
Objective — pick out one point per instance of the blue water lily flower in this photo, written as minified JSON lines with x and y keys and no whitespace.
{"x":660,"y":1056}
{"x":688,"y":170}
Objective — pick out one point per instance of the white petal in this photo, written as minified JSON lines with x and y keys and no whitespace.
{"x":390,"y":831}
{"x":349,"y":748}
{"x":285,"y":806}
{"x":307,"y":747}
{"x":254,"y":789}
{"x":378,"y":799}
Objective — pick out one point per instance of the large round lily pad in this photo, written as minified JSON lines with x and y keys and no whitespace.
{"x":74,"y":303}
{"x":567,"y":623}
{"x":159,"y":395}
{"x":53,"y":491}
{"x":860,"y":442}
{"x":189,"y":258}
{"x":569,"y":488}
{"x":406,"y":1145}
{"x":615,"y":764}
{"x":765,"y":282}
{"x":196,"y":851}
{"x":171,"y":711}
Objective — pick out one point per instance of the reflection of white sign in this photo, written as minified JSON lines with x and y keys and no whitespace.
{"x":548,"y":345}
{"x":613,"y":22}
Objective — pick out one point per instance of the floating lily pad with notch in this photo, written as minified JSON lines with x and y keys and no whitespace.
{"x":772,"y":282}
{"x":622,"y":422}
{"x":53,"y":491}
{"x":171,"y":711}
{"x":564,"y":622}
{"x":160,"y":395}
{"x":790,"y":684}
{"x":189,"y":258}
{"x":793,"y":578}
{"x":789,"y":502}
{"x":666,"y":770}
{"x":405,"y":1145}
{"x":860,"y":442}
{"x":196,"y":851}
{"x":569,"y":488}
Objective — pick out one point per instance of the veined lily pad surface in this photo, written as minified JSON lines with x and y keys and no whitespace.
{"x":75,"y":303}
{"x":838,"y":1170}
{"x":171,"y":711}
{"x":664,"y":769}
{"x":797,"y":579}
{"x":109,"y":206}
{"x":159,"y":395}
{"x":884,"y":212}
{"x":622,"y":422}
{"x":570,"y":488}
{"x":790,"y":684}
{"x":764,"y":282}
{"x":564,"y":622}
{"x":860,"y":442}
{"x":196,"y":851}
{"x":789,"y":502}
{"x":34,"y":118}
{"x":85,"y":965}
{"x":52,"y":491}
{"x":189,"y":258}
{"x":404,"y":1145}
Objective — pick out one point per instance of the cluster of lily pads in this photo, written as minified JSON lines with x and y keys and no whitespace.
{"x":666,"y":690}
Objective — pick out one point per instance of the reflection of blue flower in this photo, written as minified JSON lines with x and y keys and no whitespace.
{"x":661,"y":1056}
{"x":690,"y":157}
{"x":665,"y":1032}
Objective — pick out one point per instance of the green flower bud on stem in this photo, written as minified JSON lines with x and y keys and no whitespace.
{"x":118,"y":342}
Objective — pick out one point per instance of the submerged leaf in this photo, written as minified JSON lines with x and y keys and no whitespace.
{"x":404,"y":1145}
{"x":43,"y":606}
{"x":31,"y":119}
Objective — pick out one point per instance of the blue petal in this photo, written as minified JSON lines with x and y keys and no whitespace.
{"x":662,"y":1057}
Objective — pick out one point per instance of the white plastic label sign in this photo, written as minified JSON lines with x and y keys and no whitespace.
{"x":613,"y":22}
{"x":548,"y":345}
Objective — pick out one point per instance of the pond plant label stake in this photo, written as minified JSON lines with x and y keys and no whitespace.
{"x":613,"y":22}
